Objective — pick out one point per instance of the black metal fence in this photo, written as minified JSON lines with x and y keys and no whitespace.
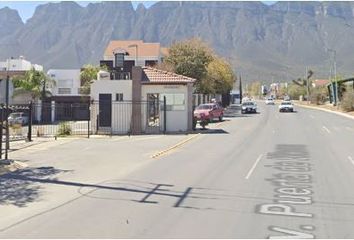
{"x":127,"y":117}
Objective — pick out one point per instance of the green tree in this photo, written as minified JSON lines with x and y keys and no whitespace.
{"x":220,"y":76}
{"x":34,"y":82}
{"x":87,"y":76}
{"x":254,"y":89}
{"x":191,"y":58}
{"x":295,"y":91}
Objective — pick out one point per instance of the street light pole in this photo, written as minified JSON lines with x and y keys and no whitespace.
{"x":7,"y":143}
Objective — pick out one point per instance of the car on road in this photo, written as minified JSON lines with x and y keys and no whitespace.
{"x":286,"y":106}
{"x":269,"y":101}
{"x":209,"y":112}
{"x":18,"y":118}
{"x":248,"y":107}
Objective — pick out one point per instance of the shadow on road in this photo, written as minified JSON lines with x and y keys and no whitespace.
{"x":19,"y":189}
{"x":210,"y":131}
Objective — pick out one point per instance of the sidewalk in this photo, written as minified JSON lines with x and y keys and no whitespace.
{"x":15,"y":146}
{"x":326,"y":108}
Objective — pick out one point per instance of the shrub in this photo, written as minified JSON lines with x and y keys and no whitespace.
{"x":319,"y":95}
{"x":64,"y":129}
{"x":347,"y":103}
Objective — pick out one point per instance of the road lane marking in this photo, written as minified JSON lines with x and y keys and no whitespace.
{"x":351,"y":159}
{"x":327,"y":130}
{"x":163,"y":152}
{"x":253,"y":167}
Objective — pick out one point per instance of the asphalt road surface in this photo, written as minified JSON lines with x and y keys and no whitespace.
{"x":265,"y":175}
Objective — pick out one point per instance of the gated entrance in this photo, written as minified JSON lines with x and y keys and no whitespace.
{"x":153,"y":112}
{"x":105,"y":110}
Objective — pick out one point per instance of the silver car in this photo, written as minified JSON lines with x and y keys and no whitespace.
{"x":18,"y":118}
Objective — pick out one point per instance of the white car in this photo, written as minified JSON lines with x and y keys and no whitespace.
{"x":248,"y":107}
{"x":286,"y":106}
{"x":269,"y":101}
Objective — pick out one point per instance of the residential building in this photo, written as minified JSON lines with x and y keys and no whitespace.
{"x":137,"y":105}
{"x":14,"y":67}
{"x":66,"y":101}
{"x":320,"y":82}
{"x":120,"y":56}
{"x":67,"y":82}
{"x":19,"y":64}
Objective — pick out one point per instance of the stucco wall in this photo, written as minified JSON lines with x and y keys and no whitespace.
{"x":121,"y":111}
{"x":176,"y":120}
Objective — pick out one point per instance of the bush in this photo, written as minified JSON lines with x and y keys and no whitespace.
{"x":319,"y":95}
{"x":347,"y":103}
{"x":64,"y":129}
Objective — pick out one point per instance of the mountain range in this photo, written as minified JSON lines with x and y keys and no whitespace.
{"x":263,"y":42}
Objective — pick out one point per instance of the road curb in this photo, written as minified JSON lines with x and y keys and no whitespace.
{"x":163,"y":152}
{"x":326,"y":110}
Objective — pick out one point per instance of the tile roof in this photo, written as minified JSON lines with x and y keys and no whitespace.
{"x":144,"y":49}
{"x":321,"y":82}
{"x":160,"y":76}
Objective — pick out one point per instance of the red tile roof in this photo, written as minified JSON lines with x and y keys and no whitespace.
{"x":158,"y":76}
{"x":144,"y":49}
{"x":320,"y":82}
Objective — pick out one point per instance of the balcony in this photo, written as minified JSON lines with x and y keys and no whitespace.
{"x":120,"y":75}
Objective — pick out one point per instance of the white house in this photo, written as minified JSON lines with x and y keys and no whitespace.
{"x":19,"y":64}
{"x":13,"y":67}
{"x":136,"y":105}
{"x":67,"y":82}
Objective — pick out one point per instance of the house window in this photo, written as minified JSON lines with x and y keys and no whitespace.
{"x":119,"y":97}
{"x":174,"y":101}
{"x":52,"y":75}
{"x":64,"y":91}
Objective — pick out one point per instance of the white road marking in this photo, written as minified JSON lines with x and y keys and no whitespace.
{"x":327,"y":130}
{"x":311,"y":116}
{"x":253,"y":167}
{"x":351,"y":159}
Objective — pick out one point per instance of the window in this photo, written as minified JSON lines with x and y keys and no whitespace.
{"x":64,"y":91}
{"x":174,"y":101}
{"x":119,"y":97}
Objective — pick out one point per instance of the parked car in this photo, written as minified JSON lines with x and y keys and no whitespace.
{"x":248,"y":107}
{"x":209,"y":112}
{"x":269,"y":101}
{"x":286,"y":106}
{"x":18,"y":118}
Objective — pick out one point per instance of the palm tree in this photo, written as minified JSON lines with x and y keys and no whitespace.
{"x":33,"y":82}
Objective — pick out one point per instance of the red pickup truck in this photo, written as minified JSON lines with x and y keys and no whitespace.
{"x":209,"y":112}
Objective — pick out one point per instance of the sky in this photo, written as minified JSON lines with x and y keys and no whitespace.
{"x":27,"y":8}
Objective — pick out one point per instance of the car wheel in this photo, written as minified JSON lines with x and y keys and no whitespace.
{"x":220,"y":118}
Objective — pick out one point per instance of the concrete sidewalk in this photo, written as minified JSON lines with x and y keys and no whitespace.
{"x":325,"y":108}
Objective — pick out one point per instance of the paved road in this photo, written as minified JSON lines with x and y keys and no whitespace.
{"x":254,"y":176}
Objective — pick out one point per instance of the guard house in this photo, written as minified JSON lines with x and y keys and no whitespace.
{"x":128,"y":97}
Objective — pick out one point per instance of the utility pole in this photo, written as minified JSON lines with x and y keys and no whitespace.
{"x":335,"y":77}
{"x":307,"y":86}
{"x":334,"y":83}
{"x":240,"y":88}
